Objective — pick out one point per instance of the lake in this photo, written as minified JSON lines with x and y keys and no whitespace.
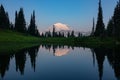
{"x":55,"y":62}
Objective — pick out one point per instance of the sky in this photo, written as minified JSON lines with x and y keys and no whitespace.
{"x":77,"y":14}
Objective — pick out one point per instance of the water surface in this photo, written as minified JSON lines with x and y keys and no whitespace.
{"x":52,"y":62}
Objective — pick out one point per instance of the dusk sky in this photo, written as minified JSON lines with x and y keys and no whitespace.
{"x":78,"y":14}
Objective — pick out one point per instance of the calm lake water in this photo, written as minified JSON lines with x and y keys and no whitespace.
{"x":51,"y":62}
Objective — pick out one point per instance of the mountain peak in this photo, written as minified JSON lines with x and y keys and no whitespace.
{"x":59,"y":27}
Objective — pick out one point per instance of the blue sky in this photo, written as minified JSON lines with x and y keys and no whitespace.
{"x":78,"y":14}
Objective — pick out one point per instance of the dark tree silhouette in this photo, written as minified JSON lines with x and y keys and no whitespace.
{"x":20,"y":23}
{"x":79,"y":34}
{"x":100,"y":27}
{"x":33,"y":54}
{"x":68,"y":34}
{"x":72,"y":34}
{"x":20,"y":58}
{"x":4,"y":18}
{"x":93,"y":28}
{"x":4,"y":64}
{"x":100,"y":57}
{"x":54,"y":33}
{"x":116,"y":18}
{"x":16,"y":20}
{"x":32,"y":29}
{"x":110,"y":27}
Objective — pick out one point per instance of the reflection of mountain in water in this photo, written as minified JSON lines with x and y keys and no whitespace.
{"x":99,"y":55}
{"x":58,"y":50}
{"x":61,"y":52}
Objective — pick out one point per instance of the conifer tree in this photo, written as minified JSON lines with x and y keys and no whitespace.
{"x":79,"y":34}
{"x":32,"y":29}
{"x":20,"y":23}
{"x":7,"y":21}
{"x":72,"y":34}
{"x":93,"y":28}
{"x":110,"y":27}
{"x":54,"y":33}
{"x":4,"y":18}
{"x":116,"y":18}
{"x":16,"y":21}
{"x":68,"y":34}
{"x":100,"y":27}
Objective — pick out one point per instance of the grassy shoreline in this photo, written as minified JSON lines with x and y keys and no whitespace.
{"x":12,"y":41}
{"x":84,"y":41}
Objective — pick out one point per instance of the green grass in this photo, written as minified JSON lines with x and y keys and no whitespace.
{"x":7,"y":36}
{"x":12,"y":41}
{"x":97,"y":42}
{"x":12,"y":48}
{"x":84,"y":41}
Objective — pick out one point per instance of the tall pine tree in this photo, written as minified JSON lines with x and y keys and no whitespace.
{"x":110,"y":27}
{"x":93,"y":28}
{"x":116,"y":18}
{"x":32,"y":29}
{"x":4,"y":18}
{"x":20,"y":23}
{"x":54,"y":33}
{"x":100,"y":27}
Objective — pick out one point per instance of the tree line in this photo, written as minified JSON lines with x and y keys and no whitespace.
{"x":20,"y":22}
{"x":98,"y":30}
{"x":54,"y":33}
{"x":31,"y":29}
{"x":113,"y":27}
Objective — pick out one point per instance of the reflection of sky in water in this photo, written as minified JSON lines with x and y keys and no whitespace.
{"x":79,"y":64}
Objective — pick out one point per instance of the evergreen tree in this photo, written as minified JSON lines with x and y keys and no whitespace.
{"x":54,"y":33}
{"x":79,"y":34}
{"x":116,"y":18}
{"x":16,"y":21}
{"x":100,"y":27}
{"x":72,"y":34}
{"x":63,"y":35}
{"x":59,"y":35}
{"x":37,"y":33}
{"x":20,"y":23}
{"x":4,"y":18}
{"x":32,"y":26}
{"x":7,"y":21}
{"x":32,"y":29}
{"x":93,"y":28}
{"x":68,"y":35}
{"x":49,"y":34}
{"x":110,"y":27}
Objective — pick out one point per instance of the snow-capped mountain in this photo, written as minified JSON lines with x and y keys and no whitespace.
{"x":64,"y":28}
{"x":59,"y":27}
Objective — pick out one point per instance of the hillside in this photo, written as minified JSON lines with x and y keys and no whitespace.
{"x":11,"y":41}
{"x":7,"y":36}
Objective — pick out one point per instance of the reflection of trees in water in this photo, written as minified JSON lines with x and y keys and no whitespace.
{"x":33,"y":54}
{"x":4,"y":64}
{"x":20,"y":59}
{"x":100,"y":57}
{"x":59,"y":50}
{"x":113,"y":56}
{"x":114,"y":60}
